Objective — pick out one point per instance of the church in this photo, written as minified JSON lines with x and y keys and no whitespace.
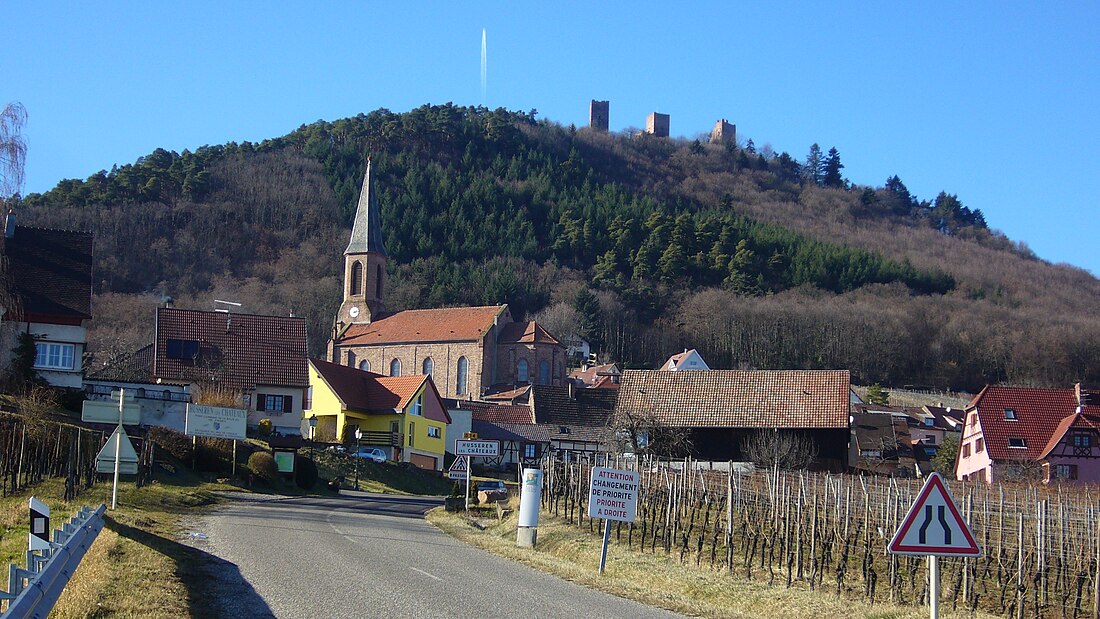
{"x":470,"y":352}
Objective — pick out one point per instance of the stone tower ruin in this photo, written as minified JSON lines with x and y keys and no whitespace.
{"x":598,"y":115}
{"x":723,"y":133}
{"x":656,"y":124}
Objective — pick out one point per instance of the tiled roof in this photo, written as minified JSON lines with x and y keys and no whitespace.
{"x":946,"y":417}
{"x":596,"y":375}
{"x":498,"y":413}
{"x":876,"y":431}
{"x":1087,"y":419}
{"x":1038,"y":413}
{"x":586,"y":407}
{"x":455,"y":324}
{"x":239,"y":351}
{"x":525,"y":333}
{"x":52,"y":271}
{"x":808,"y":399}
{"x":537,"y":433}
{"x":135,"y":367}
{"x":506,"y":393}
{"x":366,"y":392}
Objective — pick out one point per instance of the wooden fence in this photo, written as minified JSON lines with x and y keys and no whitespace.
{"x":1041,"y":545}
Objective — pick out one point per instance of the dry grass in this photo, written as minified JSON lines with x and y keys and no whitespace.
{"x":660,"y":581}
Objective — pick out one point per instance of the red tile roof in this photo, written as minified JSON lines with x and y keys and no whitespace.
{"x":525,"y":333}
{"x":1038,"y":414}
{"x":1087,"y":419}
{"x":806,"y":399}
{"x":51,"y":271}
{"x":499,"y":413}
{"x":368,"y":392}
{"x":455,"y":324}
{"x":597,"y":376}
{"x":239,"y":351}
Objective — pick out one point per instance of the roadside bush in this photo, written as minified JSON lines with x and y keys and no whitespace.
{"x":305,"y":473}
{"x":263,"y":465}
{"x":176,"y":443}
{"x":213,"y":454}
{"x":264,"y":427}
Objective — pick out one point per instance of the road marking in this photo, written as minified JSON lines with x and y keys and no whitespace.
{"x":433,"y":577}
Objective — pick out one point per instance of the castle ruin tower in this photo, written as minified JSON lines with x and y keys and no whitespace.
{"x":723,"y":133}
{"x":598,"y":115}
{"x":364,"y":262}
{"x":657,"y":124}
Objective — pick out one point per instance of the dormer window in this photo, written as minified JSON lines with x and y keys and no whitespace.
{"x":182,"y":349}
{"x":1017,"y":443}
{"x":1010,"y":414}
{"x":930,"y":421}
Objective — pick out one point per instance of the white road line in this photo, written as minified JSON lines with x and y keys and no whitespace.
{"x":433,"y":577}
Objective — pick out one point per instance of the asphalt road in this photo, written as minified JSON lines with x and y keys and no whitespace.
{"x":370,"y":555}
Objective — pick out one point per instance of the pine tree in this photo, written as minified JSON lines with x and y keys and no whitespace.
{"x":831,"y":176}
{"x":814,"y":169}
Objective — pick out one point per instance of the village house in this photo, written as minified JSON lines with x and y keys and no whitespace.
{"x":468,"y":351}
{"x":51,"y":278}
{"x":881,"y":444}
{"x":687,"y":360}
{"x":1030,"y":433}
{"x":603,"y":376}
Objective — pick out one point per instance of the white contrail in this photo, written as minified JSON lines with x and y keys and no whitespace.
{"x":484,"y":67}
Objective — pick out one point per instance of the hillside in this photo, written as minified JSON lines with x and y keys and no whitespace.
{"x":643,"y":246}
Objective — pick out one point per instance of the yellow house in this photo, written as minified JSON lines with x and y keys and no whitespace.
{"x":404,"y":415}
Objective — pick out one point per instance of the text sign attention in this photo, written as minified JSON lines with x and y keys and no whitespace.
{"x":934,"y":526}
{"x":477,"y":448}
{"x":215,"y":421}
{"x":613,"y":494}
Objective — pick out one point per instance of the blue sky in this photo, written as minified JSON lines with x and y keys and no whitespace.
{"x":993,"y":101}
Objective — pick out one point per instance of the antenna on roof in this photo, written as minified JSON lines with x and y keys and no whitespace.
{"x":225,"y":310}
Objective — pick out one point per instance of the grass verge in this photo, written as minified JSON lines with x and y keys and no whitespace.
{"x":574,"y":554}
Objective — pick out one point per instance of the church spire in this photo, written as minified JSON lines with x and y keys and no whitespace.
{"x":366,"y":232}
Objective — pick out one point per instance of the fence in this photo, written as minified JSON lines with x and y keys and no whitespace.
{"x":1041,"y":545}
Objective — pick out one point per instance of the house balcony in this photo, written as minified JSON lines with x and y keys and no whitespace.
{"x":390,"y":439}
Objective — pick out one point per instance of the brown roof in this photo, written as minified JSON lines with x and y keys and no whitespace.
{"x":597,"y":376}
{"x":807,"y":399}
{"x":454,"y":324}
{"x":239,"y":351}
{"x":51,"y":271}
{"x":506,"y":392}
{"x":498,"y":413}
{"x":537,"y":433}
{"x":1038,"y":414}
{"x":366,"y":392}
{"x":134,"y":367}
{"x":586,"y":407}
{"x":525,"y":333}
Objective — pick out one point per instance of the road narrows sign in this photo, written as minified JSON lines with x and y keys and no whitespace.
{"x":934,"y":526}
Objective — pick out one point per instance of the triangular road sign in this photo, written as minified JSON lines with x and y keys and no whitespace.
{"x":458,"y":468}
{"x":127,"y":455}
{"x":934,"y":526}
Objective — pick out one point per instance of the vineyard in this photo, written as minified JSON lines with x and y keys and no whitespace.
{"x":1041,"y":545}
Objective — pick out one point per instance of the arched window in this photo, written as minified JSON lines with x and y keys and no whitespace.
{"x":378,"y":282}
{"x":521,"y":371}
{"x":351,"y":359}
{"x":364,"y":365}
{"x":428,"y":365}
{"x":356,"y":283}
{"x":463,"y":370}
{"x":544,"y":372}
{"x":395,"y":367}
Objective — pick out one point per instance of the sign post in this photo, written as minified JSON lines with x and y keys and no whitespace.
{"x":612,"y":495}
{"x":39,"y":538}
{"x":471,"y":448}
{"x":215,"y":422}
{"x":934,"y":528}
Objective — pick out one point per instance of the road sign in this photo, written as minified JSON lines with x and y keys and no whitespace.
{"x":458,"y":469}
{"x":127,"y":456}
{"x":933,"y":526}
{"x":613,"y":494}
{"x":469,"y":435}
{"x":39,"y":538}
{"x":96,"y":411}
{"x":477,"y":448}
{"x":215,"y":421}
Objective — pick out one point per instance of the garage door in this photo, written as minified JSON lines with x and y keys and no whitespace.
{"x":424,"y":462}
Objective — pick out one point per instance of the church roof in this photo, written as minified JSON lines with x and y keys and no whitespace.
{"x":366,"y":232}
{"x":525,"y":333}
{"x":453,"y":324}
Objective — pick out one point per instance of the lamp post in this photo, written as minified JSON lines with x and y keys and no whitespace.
{"x":358,"y":436}
{"x":312,"y":428}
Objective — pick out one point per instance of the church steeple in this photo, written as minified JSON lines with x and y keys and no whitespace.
{"x":364,"y":261}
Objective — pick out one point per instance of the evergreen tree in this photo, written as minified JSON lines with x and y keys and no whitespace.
{"x":814,"y":169}
{"x":831,"y":176}
{"x":877,"y":395}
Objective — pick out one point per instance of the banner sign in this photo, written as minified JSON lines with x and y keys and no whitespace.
{"x":215,"y":422}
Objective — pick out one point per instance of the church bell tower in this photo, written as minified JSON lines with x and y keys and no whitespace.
{"x":364,"y":262}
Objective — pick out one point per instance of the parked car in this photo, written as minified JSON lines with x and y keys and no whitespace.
{"x":489,"y":491}
{"x":370,"y":453}
{"x":491,"y":486}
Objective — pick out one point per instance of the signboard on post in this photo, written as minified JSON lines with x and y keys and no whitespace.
{"x":39,"y":538}
{"x":488,"y":449}
{"x":94,"y":411}
{"x":458,"y":469}
{"x":215,"y":422}
{"x":127,"y":455}
{"x":612,"y":495}
{"x":934,"y":526}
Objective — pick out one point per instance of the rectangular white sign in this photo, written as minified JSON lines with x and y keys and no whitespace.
{"x":96,"y":411}
{"x":477,"y":448}
{"x":613,"y":494}
{"x":215,"y":421}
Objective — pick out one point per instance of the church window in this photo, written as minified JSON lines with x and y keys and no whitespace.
{"x":364,"y":365}
{"x":378,"y":282}
{"x":351,"y":359}
{"x":428,"y":366}
{"x":356,"y":282}
{"x":463,"y":370}
{"x":521,"y":371}
{"x":544,"y":372}
{"x":395,"y":367}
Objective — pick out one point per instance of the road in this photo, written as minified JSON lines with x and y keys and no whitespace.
{"x":371,"y":555}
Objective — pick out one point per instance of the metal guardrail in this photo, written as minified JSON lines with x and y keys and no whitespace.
{"x":32,"y":592}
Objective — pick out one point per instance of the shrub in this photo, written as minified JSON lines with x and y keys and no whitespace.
{"x":213,"y":454}
{"x":265,"y":427}
{"x":263,"y":465}
{"x":305,"y":473}
{"x":176,"y":443}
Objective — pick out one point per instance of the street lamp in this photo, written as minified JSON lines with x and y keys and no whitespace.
{"x":358,"y":436}
{"x":312,"y":428}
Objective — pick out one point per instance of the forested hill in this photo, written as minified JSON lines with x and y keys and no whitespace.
{"x":641,"y":245}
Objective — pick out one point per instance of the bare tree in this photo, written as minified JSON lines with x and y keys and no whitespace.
{"x":777,"y":449}
{"x":13,"y":150}
{"x":641,"y":432}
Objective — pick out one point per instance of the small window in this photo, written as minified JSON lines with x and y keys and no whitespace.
{"x":182,"y":349}
{"x":55,"y":356}
{"x":364,"y":365}
{"x":530,"y":450}
{"x":433,"y":432}
{"x":1082,"y":440}
{"x":930,"y":421}
{"x":1019,"y":443}
{"x":544,"y":372}
{"x":395,"y":367}
{"x":521,"y":371}
{"x":1010,"y":414}
{"x":871,"y":453}
{"x":931,"y":440}
{"x":356,"y":282}
{"x":965,"y":451}
{"x":979,"y":445}
{"x":378,"y":282}
{"x":417,"y":407}
{"x":428,"y":366}
{"x":351,"y":359}
{"x":1065,"y":471}
{"x":274,"y":403}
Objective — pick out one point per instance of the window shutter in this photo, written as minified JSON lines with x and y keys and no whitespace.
{"x":261,"y":402}
{"x":288,"y":403}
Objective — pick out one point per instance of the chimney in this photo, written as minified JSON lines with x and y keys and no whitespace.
{"x":1082,"y":395}
{"x":9,"y":224}
{"x":569,"y":386}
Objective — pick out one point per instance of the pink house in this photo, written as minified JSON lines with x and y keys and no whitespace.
{"x":1028,"y":433}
